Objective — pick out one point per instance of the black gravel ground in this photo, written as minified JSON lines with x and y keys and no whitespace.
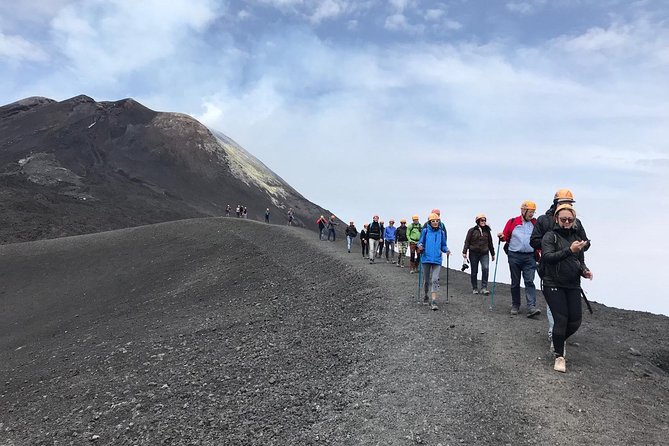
{"x":231,"y":332}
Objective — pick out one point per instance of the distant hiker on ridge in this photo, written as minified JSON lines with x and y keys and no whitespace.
{"x":331,"y":227}
{"x":516,"y":234}
{"x":380,"y":251}
{"x":562,"y":253}
{"x":479,"y":244}
{"x":374,"y":234}
{"x":351,"y":234}
{"x":267,"y":215}
{"x":364,"y":242}
{"x":228,"y":209}
{"x":290,"y":217}
{"x":239,"y":211}
{"x":544,"y":224}
{"x":431,"y":244}
{"x":413,"y":234}
{"x":245,"y":212}
{"x":322,"y":223}
{"x":389,"y":241}
{"x":402,"y":242}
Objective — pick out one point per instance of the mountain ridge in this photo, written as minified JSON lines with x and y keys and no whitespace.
{"x":78,"y":166}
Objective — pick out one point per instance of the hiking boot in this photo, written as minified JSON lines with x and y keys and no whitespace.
{"x":484,"y":291}
{"x":475,"y":291}
{"x":560,"y":364}
{"x":514,"y":310}
{"x":533,"y":312}
{"x":433,"y":306}
{"x":426,"y":300}
{"x":411,"y":271}
{"x":371,"y":261}
{"x":398,"y":265}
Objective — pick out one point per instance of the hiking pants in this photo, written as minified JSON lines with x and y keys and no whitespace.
{"x":523,"y":263}
{"x":402,"y":252}
{"x":390,"y":249}
{"x":373,"y":246}
{"x":414,"y":255}
{"x":365,"y":247}
{"x":565,"y":304}
{"x":349,"y":240}
{"x":331,"y":232}
{"x":474,"y":259}
{"x":380,"y":253}
{"x":431,"y":277}
{"x":321,"y":232}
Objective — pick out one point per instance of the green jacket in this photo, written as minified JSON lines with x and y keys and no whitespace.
{"x":413,"y":232}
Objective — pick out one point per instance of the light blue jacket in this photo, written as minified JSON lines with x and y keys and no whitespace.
{"x":434,"y":243}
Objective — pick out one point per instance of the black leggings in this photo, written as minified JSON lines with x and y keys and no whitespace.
{"x":565,"y":304}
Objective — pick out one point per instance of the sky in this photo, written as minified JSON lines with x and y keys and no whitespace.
{"x":400,"y":106}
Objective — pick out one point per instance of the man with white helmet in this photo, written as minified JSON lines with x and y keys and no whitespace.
{"x":516,"y":234}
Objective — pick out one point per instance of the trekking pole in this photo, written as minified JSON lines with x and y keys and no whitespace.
{"x":494,"y":277}
{"x":420,"y":271}
{"x":448,"y":258}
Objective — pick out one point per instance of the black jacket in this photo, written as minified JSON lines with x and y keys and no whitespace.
{"x":374,"y":230}
{"x":351,"y":231}
{"x":561,"y":267}
{"x":545,"y":223}
{"x":401,"y":234}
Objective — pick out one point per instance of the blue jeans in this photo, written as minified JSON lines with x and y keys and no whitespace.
{"x":523,"y":263}
{"x":349,"y":240}
{"x":474,"y":259}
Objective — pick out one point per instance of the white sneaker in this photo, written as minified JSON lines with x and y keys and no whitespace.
{"x":560,"y":364}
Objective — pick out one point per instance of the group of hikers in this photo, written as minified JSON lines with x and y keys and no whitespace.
{"x":552,"y":246}
{"x":240,"y":210}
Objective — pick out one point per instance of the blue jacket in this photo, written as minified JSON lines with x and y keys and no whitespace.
{"x":389,"y":233}
{"x":434,"y":242}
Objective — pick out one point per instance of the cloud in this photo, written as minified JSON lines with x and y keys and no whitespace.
{"x":112,"y":39}
{"x":18,"y":49}
{"x":525,"y":7}
{"x":328,"y":9}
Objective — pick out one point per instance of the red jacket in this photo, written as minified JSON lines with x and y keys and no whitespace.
{"x":511,"y":225}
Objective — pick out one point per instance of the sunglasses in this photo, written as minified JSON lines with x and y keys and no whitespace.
{"x":482,"y":219}
{"x":566,"y":220}
{"x":434,"y":221}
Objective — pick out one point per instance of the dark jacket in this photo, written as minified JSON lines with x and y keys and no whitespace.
{"x":401,"y":234}
{"x":363,"y":236}
{"x":374,"y":230}
{"x":545,"y":223}
{"x":351,"y":231}
{"x":561,"y":267}
{"x":479,"y":240}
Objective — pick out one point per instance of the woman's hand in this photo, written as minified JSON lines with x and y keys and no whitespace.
{"x":577,"y":246}
{"x":588,"y":274}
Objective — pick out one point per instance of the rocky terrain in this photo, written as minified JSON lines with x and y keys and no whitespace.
{"x":80,"y":166}
{"x":223,"y":331}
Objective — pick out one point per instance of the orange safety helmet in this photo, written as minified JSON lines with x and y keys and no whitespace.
{"x":529,"y":204}
{"x":565,"y":206}
{"x":433,"y":216}
{"x":403,"y":220}
{"x":564,"y":195}
{"x":414,"y":217}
